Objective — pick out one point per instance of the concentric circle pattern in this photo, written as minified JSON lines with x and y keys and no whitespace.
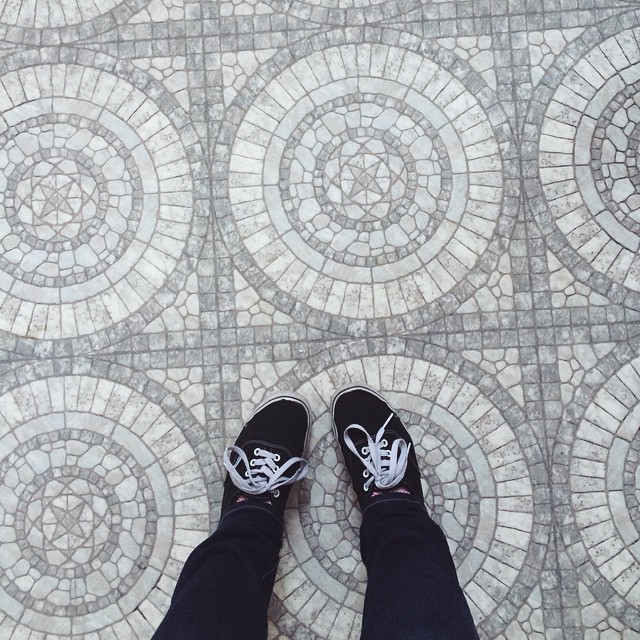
{"x":369,"y":205}
{"x":95,"y":201}
{"x":605,"y":480}
{"x":70,"y":521}
{"x":89,"y":480}
{"x":364,"y":182}
{"x":615,"y":168}
{"x":588,"y":157}
{"x":476,"y":480}
{"x":67,"y":204}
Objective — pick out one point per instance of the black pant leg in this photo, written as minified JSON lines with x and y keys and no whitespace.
{"x":225,"y":586}
{"x":413,"y":591}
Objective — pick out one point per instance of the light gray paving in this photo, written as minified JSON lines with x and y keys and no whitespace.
{"x":202,"y":202}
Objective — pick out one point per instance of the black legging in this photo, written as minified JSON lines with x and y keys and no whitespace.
{"x":413,"y":593}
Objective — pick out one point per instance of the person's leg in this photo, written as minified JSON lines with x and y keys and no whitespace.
{"x":413,"y":591}
{"x":224,"y":589}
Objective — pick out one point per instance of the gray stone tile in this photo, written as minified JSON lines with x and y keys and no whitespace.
{"x":203,"y":202}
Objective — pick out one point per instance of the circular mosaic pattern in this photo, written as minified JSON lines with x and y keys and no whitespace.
{"x":615,"y":168}
{"x":588,"y":157}
{"x":365,"y":177}
{"x":369,"y":205}
{"x":95,"y":204}
{"x":605,"y":483}
{"x":71,"y":520}
{"x":72,"y":212}
{"x":51,"y":21}
{"x":365,"y":181}
{"x":475,"y":477}
{"x":344,"y":12}
{"x":55,"y":200}
{"x":68,"y":522}
{"x":89,"y":489}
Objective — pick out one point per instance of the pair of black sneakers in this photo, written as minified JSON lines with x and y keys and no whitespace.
{"x":267,"y":456}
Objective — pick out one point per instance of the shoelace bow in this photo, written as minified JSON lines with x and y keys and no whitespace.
{"x":262,"y":471}
{"x":386,"y":467}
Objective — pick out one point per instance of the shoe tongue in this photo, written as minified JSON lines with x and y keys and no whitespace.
{"x":250,"y":446}
{"x":360,"y":440}
{"x":241,"y":497}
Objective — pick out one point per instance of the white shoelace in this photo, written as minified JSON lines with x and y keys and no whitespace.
{"x":386,"y":467}
{"x":266,"y":474}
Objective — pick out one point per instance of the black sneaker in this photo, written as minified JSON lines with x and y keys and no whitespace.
{"x":266,"y":457}
{"x":376,"y":447}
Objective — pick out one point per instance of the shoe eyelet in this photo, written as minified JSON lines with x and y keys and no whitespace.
{"x":365,"y":451}
{"x":384,"y":443}
{"x":256,"y":452}
{"x":365,"y":474}
{"x":277,"y":457}
{"x":276,"y":493}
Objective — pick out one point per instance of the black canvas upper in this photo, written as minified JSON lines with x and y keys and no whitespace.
{"x":279,"y":425}
{"x":365,"y":407}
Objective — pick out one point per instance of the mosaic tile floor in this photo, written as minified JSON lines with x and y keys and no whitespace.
{"x":202,"y":202}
